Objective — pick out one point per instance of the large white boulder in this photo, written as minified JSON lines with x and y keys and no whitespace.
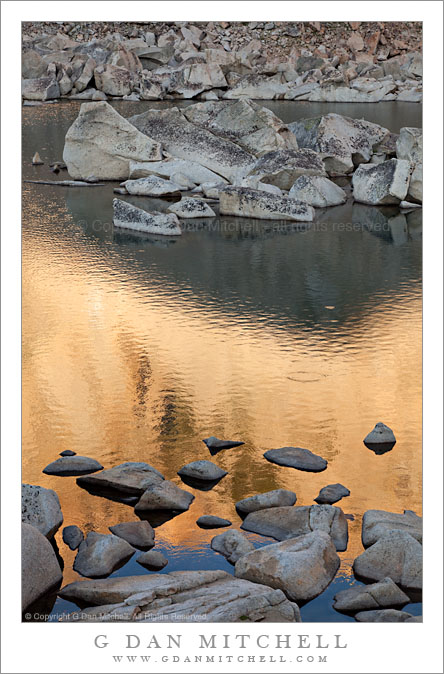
{"x":128,"y":216}
{"x":317,"y":191}
{"x":188,"y":208}
{"x":102,"y":143}
{"x":376,"y":523}
{"x":152,"y":186}
{"x":397,"y":555}
{"x":380,"y":184}
{"x":409,"y":146}
{"x":169,"y":167}
{"x":248,"y":203}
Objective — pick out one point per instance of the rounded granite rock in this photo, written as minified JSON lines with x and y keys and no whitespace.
{"x":212,"y":522}
{"x":152,"y":559}
{"x":296,"y":457}
{"x":72,"y":465}
{"x":202,"y":470}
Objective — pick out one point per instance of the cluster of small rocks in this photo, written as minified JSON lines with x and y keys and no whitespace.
{"x":317,"y":62}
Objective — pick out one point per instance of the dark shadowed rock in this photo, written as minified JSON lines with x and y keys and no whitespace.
{"x":100,"y":554}
{"x":202,"y":470}
{"x":72,"y":465}
{"x":212,"y":522}
{"x":130,"y":478}
{"x":269,"y":499}
{"x":164,"y":496}
{"x":388,"y":615}
{"x":376,"y":523}
{"x":232,"y":544}
{"x":296,"y":457}
{"x":215,"y":445}
{"x":41,"y":509}
{"x":72,"y":536}
{"x":381,"y":439}
{"x":138,"y":534}
{"x":397,"y":555}
{"x":153,"y":560}
{"x":363,"y":597}
{"x":290,"y":521}
{"x":332,"y":493}
{"x":67,"y":452}
{"x":40,"y":568}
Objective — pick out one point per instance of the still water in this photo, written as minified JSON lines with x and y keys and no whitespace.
{"x":135,"y":348}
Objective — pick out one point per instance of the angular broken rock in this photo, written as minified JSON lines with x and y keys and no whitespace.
{"x":363,"y":597}
{"x":388,"y":615}
{"x":41,"y":509}
{"x":72,"y":465}
{"x":102,"y":143}
{"x":269,"y":499}
{"x":168,"y":167}
{"x":191,"y":208}
{"x":40,"y":89}
{"x":164,"y":496}
{"x":127,"y":478}
{"x":376,"y":523}
{"x":296,"y":457}
{"x":182,"y":596}
{"x":212,"y":522}
{"x":397,"y":555}
{"x":40,"y":568}
{"x":152,"y":186}
{"x":153,"y":560}
{"x":128,"y":216}
{"x":113,"y":80}
{"x":202,"y":470}
{"x":380,"y":435}
{"x":100,"y":554}
{"x":379,"y":184}
{"x":139,"y":534}
{"x":332,"y":493}
{"x":214,"y":443}
{"x":409,"y":144}
{"x":36,"y":161}
{"x":232,"y":544}
{"x":187,"y":141}
{"x":248,"y":203}
{"x":317,"y":191}
{"x":289,"y":521}
{"x":72,"y":536}
{"x":302,"y":567}
{"x":283,"y":167}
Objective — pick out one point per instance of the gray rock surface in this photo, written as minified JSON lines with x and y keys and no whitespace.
{"x":152,"y":559}
{"x":164,"y":496}
{"x":181,"y":596}
{"x":215,"y":443}
{"x":127,"y":216}
{"x":363,"y":597}
{"x":379,"y":184}
{"x":296,"y":457}
{"x":100,"y":554}
{"x":152,"y":186}
{"x":113,"y":80}
{"x":191,"y":208}
{"x":317,"y":191}
{"x":202,"y":470}
{"x":381,"y":434}
{"x":67,"y":452}
{"x":249,"y":203}
{"x":302,"y":567}
{"x":232,"y":544}
{"x":269,"y":499}
{"x":168,"y":167}
{"x":283,"y":167}
{"x":388,"y":615}
{"x":40,"y":89}
{"x":72,"y":465}
{"x":139,"y":534}
{"x":332,"y":493}
{"x":72,"y":536}
{"x":212,"y":522}
{"x":376,"y":523}
{"x":127,"y":478}
{"x":40,"y":569}
{"x":290,"y":521}
{"x":41,"y":509}
{"x":397,"y":555}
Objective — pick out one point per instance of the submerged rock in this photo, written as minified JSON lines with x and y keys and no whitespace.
{"x":152,"y":186}
{"x":102,"y":143}
{"x":317,"y":191}
{"x":181,"y":596}
{"x":397,"y":555}
{"x":388,"y":615}
{"x":191,"y":208}
{"x":138,"y":534}
{"x":302,"y":567}
{"x":202,"y":470}
{"x":41,"y":509}
{"x":283,"y":167}
{"x":379,"y":184}
{"x":72,"y":465}
{"x":40,"y":569}
{"x":128,"y":216}
{"x":153,"y":560}
{"x":269,"y":499}
{"x":363,"y":597}
{"x":332,"y":493}
{"x":212,"y":522}
{"x":248,"y":203}
{"x":72,"y":536}
{"x":376,"y":523}
{"x":164,"y":496}
{"x":296,"y":457}
{"x":127,"y":478}
{"x":232,"y":544}
{"x":100,"y":554}
{"x":290,"y":521}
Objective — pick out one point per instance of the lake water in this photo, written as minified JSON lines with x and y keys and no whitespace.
{"x":135,"y":348}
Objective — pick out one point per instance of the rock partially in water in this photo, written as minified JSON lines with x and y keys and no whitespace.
{"x":36,"y":161}
{"x":259,"y":87}
{"x":215,"y":444}
{"x":40,"y":569}
{"x":381,"y":437}
{"x":397,"y":555}
{"x":72,"y":536}
{"x":139,"y":534}
{"x":376,"y":523}
{"x":40,"y":89}
{"x":164,"y":496}
{"x":409,"y":144}
{"x":232,"y":544}
{"x":332,"y":493}
{"x":152,"y":186}
{"x":283,"y":167}
{"x":130,"y":478}
{"x":152,"y":560}
{"x":268,"y":499}
{"x":72,"y":465}
{"x":248,"y":203}
{"x":202,"y":470}
{"x":191,"y":208}
{"x":375,"y":596}
{"x":102,"y":143}
{"x":212,"y":522}
{"x":181,"y":596}
{"x":379,"y":184}
{"x":67,"y":452}
{"x":388,"y":615}
{"x":168,"y":167}
{"x":41,"y":509}
{"x":317,"y":191}
{"x":128,"y":216}
{"x":100,"y":554}
{"x":302,"y":567}
{"x":415,"y":186}
{"x":296,"y":457}
{"x":286,"y":522}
